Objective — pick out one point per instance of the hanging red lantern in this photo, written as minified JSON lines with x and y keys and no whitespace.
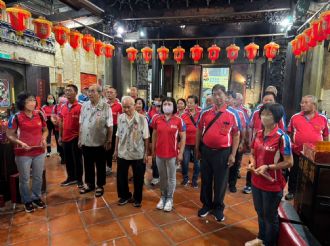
{"x":131,"y":54}
{"x":326,"y":22}
{"x":251,"y":51}
{"x":318,"y":32}
{"x":108,"y":50}
{"x":2,"y":6}
{"x":98,"y":48}
{"x":310,"y":39}
{"x":196,"y":53}
{"x":271,"y":50}
{"x":18,"y":18}
{"x":147,"y":54}
{"x":61,"y":34}
{"x":178,"y":54}
{"x":162,"y":54}
{"x":88,"y":42}
{"x":214,"y":52}
{"x":75,"y":38}
{"x":295,"y":48}
{"x":232,"y":52}
{"x":42,"y":28}
{"x":302,"y":43}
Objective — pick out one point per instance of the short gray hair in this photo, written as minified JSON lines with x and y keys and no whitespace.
{"x":314,"y":99}
{"x":98,"y":88}
{"x":127,"y":98}
{"x":239,"y":96}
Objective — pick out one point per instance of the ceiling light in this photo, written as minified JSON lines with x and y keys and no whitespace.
{"x":142,"y":34}
{"x":130,"y":40}
{"x":287,"y":22}
{"x":183,"y":26}
{"x":120,"y":30}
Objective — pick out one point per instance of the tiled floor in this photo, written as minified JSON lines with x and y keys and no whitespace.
{"x":73,"y":219}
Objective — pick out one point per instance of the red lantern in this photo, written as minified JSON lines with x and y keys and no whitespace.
{"x":131,"y":54}
{"x":271,"y":50}
{"x":178,"y":54}
{"x":42,"y":28}
{"x":232,"y":52}
{"x":251,"y":51}
{"x":310,"y":39}
{"x":162,"y":54}
{"x":61,"y":34}
{"x":295,"y":48}
{"x":302,"y":43}
{"x":147,"y":54}
{"x":98,"y":48}
{"x":75,"y":38}
{"x":214,"y":52}
{"x":108,"y":51}
{"x":18,"y":18}
{"x":88,"y":42}
{"x":326,"y":22}
{"x":2,"y":6}
{"x":318,"y":32}
{"x":196,"y":53}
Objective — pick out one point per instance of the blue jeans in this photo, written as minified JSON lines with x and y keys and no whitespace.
{"x":188,"y":151}
{"x":266,"y":204}
{"x":24,"y":164}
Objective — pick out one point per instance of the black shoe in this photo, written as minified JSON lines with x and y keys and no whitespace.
{"x":29,"y":207}
{"x":194,"y":184}
{"x":185,"y":182}
{"x":80,"y":185}
{"x":232,"y":189}
{"x":68,"y":182}
{"x":99,"y":191}
{"x":86,"y":189}
{"x":137,"y":204}
{"x":218,"y":215}
{"x":48,"y":155}
{"x":289,"y":196}
{"x":39,"y":203}
{"x":122,"y":201}
{"x":203,"y":212}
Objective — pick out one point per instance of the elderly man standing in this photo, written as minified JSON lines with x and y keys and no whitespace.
{"x":95,"y":138}
{"x":132,"y":139}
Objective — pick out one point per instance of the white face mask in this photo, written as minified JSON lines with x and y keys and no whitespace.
{"x":168,"y":109}
{"x":267,"y":120}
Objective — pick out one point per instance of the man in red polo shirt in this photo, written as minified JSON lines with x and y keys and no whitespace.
{"x":69,"y":134}
{"x":307,"y":126}
{"x":218,"y":135}
{"x":117,"y":109}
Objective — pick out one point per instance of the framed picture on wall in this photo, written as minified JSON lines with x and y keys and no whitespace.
{"x":86,"y":80}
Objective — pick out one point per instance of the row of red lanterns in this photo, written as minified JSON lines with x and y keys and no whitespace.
{"x":196,"y":53}
{"x":318,"y":31}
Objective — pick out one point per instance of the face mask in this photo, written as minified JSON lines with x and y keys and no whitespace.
{"x":267,"y":120}
{"x":168,"y":109}
{"x":50,"y":101}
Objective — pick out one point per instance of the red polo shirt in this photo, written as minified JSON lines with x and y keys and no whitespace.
{"x":256,"y":125}
{"x":220,"y":134}
{"x":117,"y":109}
{"x":70,"y":121}
{"x":191,"y":127}
{"x":307,"y":131}
{"x":267,"y":150}
{"x":167,"y":135}
{"x":153,"y":111}
{"x":47,"y":110}
{"x":242,"y":118}
{"x":29,"y":132}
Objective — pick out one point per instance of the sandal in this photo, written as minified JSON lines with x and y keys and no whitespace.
{"x":99,"y":191}
{"x":86,"y":189}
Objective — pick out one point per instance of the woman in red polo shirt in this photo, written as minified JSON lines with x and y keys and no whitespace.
{"x":181,"y":104}
{"x":140,"y":106}
{"x":28,"y":131}
{"x":270,"y":153}
{"x":167,"y":127}
{"x":48,"y":109}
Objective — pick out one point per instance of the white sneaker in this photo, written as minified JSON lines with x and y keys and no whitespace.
{"x":168,"y":205}
{"x":161,"y":203}
{"x":108,"y":170}
{"x":154,"y":181}
{"x":254,"y":242}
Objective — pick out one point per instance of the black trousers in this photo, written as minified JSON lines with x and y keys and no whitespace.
{"x":73,"y":158}
{"x":248,"y":179}
{"x":109,"y":153}
{"x":139,"y":168}
{"x":293,"y":174}
{"x":59,"y":147}
{"x":94,"y":156}
{"x":214,"y":176}
{"x":51,"y":129}
{"x":234,"y":169}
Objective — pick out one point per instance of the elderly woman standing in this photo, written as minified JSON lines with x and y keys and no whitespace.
{"x":95,"y":138}
{"x":28,"y":131}
{"x":167,"y":127}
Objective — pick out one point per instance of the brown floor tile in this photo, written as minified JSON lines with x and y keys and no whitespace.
{"x":160,"y":217}
{"x":208,"y":240}
{"x":246,"y":209}
{"x":206,"y":224}
{"x":150,"y":238}
{"x":95,"y":216}
{"x":179,"y":197}
{"x":118,"y":242}
{"x":28,"y":231}
{"x":56,"y":197}
{"x":90,"y":203}
{"x":105,"y":231}
{"x":65,"y":223}
{"x":70,"y":238}
{"x":39,"y":241}
{"x":232,"y":216}
{"x":110,"y":197}
{"x":149,"y":202}
{"x":249,"y":225}
{"x":23,"y":217}
{"x":186,"y":209}
{"x":127,"y":209}
{"x":3,"y":236}
{"x":62,"y":209}
{"x":235,"y":235}
{"x":5,"y":221}
{"x":136,"y":224}
{"x":180,"y":231}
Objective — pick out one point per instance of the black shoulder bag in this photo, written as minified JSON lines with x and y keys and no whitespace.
{"x":208,"y":127}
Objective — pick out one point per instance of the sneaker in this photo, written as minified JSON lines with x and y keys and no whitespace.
{"x":122,"y":201}
{"x":185,"y":182}
{"x":68,"y":182}
{"x":29,"y":207}
{"x":48,"y":155}
{"x":137,"y":204}
{"x":254,"y":242}
{"x":218,"y":215}
{"x":194,"y":185}
{"x":247,"y":190}
{"x":203,"y":212}
{"x":161,"y":204}
{"x":39,"y":203}
{"x":232,"y":189}
{"x":168,"y":205}
{"x":80,"y":185}
{"x":289,"y":196}
{"x":85,"y":189}
{"x":154,"y":181}
{"x":108,"y":170}
{"x":178,"y":167}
